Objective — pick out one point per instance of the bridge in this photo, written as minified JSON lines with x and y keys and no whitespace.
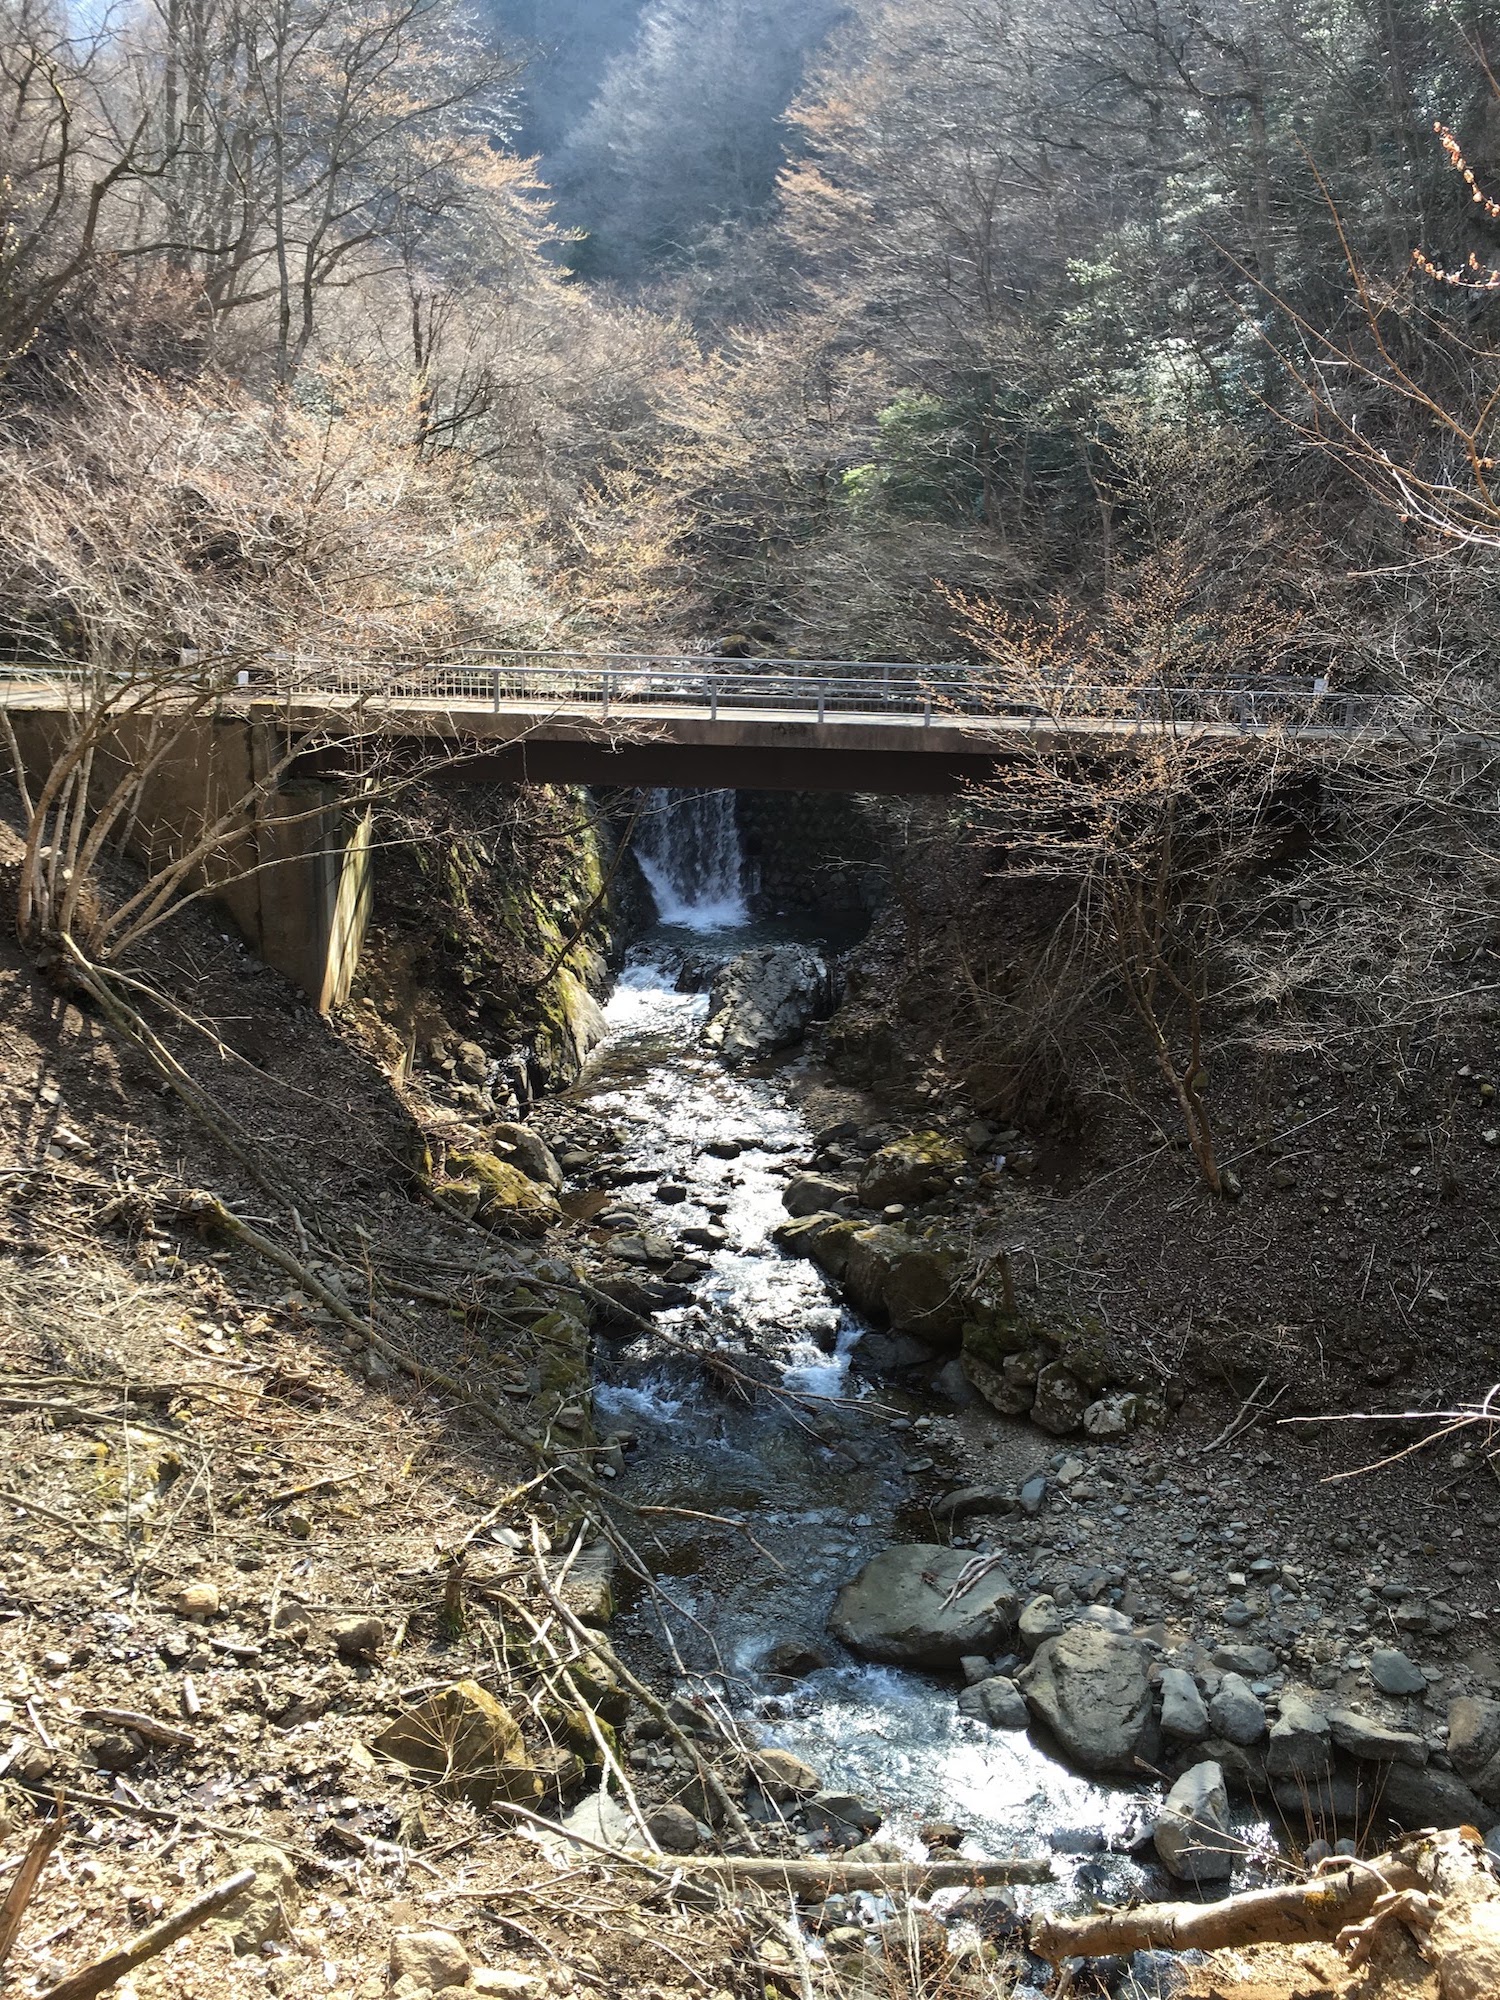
{"x":277,"y":751}
{"x":685,"y":720}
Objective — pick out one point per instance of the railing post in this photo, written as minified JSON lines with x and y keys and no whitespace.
{"x":497,"y":690}
{"x":609,"y":689}
{"x":713,"y":698}
{"x":927,"y":712}
{"x":822,"y":702}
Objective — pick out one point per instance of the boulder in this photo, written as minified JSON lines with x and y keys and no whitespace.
{"x":462,"y":1739}
{"x":508,"y":1199}
{"x":1299,"y":1745}
{"x":1474,"y":1743}
{"x":1192,"y":1835}
{"x":520,"y":1147}
{"x":997,"y":1701}
{"x":812,"y":1194}
{"x":1010,"y":1388}
{"x":1090,"y":1687}
{"x":433,"y":1959}
{"x":896,"y":1609}
{"x":1416,"y":1798}
{"x":1060,"y":1400}
{"x":1235,"y":1712}
{"x":908,"y":1280}
{"x":1238,"y":1657}
{"x":263,"y":1912}
{"x":1184,"y":1717}
{"x":792,"y":1659}
{"x":782,"y":1776}
{"x":843,"y":1817}
{"x":357,"y":1637}
{"x":1372,"y":1742}
{"x":764,"y":999}
{"x":910,"y":1170}
{"x":1394,"y":1673}
{"x":824,"y":1237}
{"x":1040,"y":1621}
{"x":673,"y":1828}
{"x":1112,"y":1416}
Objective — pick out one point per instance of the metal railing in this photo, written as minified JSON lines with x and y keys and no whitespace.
{"x":825,"y":691}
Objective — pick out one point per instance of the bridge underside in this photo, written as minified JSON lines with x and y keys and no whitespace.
{"x":730,"y":767}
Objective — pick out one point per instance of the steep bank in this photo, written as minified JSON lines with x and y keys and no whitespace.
{"x":499,"y":912}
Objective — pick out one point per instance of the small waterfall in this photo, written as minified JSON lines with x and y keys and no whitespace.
{"x":688,"y":845}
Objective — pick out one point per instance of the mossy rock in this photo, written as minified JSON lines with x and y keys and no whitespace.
{"x":570,"y":1727}
{"x":507,"y":1199}
{"x":912,"y":1282}
{"x":464,"y":1741}
{"x":910,"y":1169}
{"x":824,"y":1237}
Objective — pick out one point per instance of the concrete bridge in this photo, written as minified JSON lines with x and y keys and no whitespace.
{"x":282,"y":751}
{"x":772,"y":725}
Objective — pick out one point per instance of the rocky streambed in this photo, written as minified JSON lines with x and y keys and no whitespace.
{"x":960,"y":1635}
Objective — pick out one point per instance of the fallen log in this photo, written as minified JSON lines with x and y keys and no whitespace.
{"x":1443,"y":1887}
{"x":1297,"y":1913}
{"x":825,"y":1877}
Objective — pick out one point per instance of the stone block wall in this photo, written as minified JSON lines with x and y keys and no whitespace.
{"x":816,"y":852}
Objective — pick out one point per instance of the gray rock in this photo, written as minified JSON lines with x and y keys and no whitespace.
{"x":1235,"y":1711}
{"x":673,"y":1828}
{"x":1184,"y":1717}
{"x":261,"y":1913}
{"x":843,"y":1817}
{"x":793,"y":1659}
{"x":1429,"y":1797}
{"x":895,"y":1610}
{"x":1372,"y":1742}
{"x":1394,"y":1673}
{"x":1238,"y":1657}
{"x":1473,"y":1732}
{"x":764,"y":999}
{"x":1033,"y":1493}
{"x":975,"y":1667}
{"x":519,"y":1146}
{"x":1111,"y":1416}
{"x":1299,"y":1745}
{"x":1336,"y":1800}
{"x":1090,"y":1688}
{"x":435,"y":1960}
{"x":1107,"y":1615}
{"x":1060,"y":1400}
{"x":1492,"y":1841}
{"x":782,"y":1776}
{"x":1192,"y":1835}
{"x":997,"y":1701}
{"x":812,"y":1194}
{"x":1040,"y":1620}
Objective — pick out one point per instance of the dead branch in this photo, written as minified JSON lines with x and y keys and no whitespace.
{"x":92,"y":1979}
{"x":21,"y":1890}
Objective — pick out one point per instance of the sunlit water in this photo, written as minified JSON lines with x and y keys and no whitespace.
{"x":819,"y":1482}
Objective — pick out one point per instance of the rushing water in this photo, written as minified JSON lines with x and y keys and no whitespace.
{"x":812,"y":1486}
{"x":688,"y":847}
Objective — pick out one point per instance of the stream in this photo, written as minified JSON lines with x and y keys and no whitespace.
{"x":820,"y":1484}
